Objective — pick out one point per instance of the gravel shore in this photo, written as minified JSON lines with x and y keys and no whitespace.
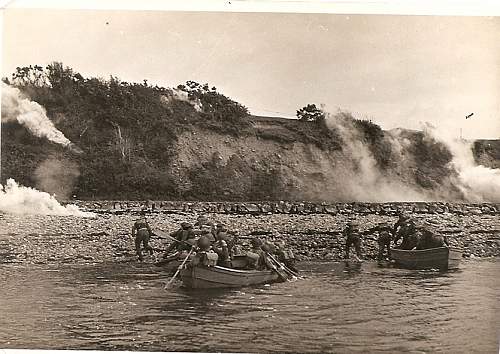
{"x":35,"y":239}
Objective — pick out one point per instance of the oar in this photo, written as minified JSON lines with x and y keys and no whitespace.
{"x":277,"y":269}
{"x":288,"y":270}
{"x":179,"y":268}
{"x":165,"y":235}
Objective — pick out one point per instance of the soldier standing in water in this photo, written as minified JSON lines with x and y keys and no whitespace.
{"x":142,"y":232}
{"x":384,"y":240}
{"x":353,"y":238}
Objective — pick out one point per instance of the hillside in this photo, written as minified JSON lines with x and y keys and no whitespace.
{"x":194,"y":143}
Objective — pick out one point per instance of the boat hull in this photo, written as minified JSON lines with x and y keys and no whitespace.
{"x":440,"y":257}
{"x":221,"y":277}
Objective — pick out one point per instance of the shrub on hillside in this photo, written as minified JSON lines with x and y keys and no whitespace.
{"x":311,"y":113}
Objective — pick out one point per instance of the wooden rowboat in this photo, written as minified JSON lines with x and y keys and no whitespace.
{"x":439,"y":258}
{"x":200,"y":277}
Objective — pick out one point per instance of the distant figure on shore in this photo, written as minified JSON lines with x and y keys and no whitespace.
{"x":141,"y":231}
{"x":353,"y":238}
{"x":201,"y":221}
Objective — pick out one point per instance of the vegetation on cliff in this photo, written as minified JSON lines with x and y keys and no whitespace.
{"x":129,"y":133}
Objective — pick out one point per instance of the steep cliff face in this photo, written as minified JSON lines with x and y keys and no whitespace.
{"x":210,"y":165}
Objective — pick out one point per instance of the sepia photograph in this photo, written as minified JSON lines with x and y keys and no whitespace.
{"x":244,"y":181}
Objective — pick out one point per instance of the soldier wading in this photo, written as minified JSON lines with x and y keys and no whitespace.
{"x":142,"y":232}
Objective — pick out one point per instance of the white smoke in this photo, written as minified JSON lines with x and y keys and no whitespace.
{"x":362,"y":179}
{"x":15,"y":199}
{"x":478,"y":183}
{"x":16,"y":107}
{"x":183,"y":96}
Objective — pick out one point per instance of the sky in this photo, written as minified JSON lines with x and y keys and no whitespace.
{"x":398,"y":71}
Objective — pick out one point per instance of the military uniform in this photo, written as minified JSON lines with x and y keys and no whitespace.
{"x":220,"y":247}
{"x":353,"y":238}
{"x":205,"y":256}
{"x":184,"y":235}
{"x":407,"y":230}
{"x":142,"y":232}
{"x":384,"y":240}
{"x":285,"y":256}
{"x":257,"y":258}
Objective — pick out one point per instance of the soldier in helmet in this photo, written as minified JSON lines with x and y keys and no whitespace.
{"x":285,"y":255}
{"x":256,"y":257}
{"x":384,"y":240}
{"x":406,"y":229}
{"x":353,"y":238}
{"x":220,"y":246}
{"x":402,"y":220}
{"x":184,"y":236}
{"x":141,"y":231}
{"x":205,"y":256}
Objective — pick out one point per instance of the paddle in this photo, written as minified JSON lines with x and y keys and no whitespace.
{"x":281,"y":265}
{"x":179,"y":269}
{"x":277,"y":268}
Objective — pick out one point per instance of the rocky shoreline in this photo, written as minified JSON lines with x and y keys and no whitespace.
{"x":32,"y":239}
{"x":287,"y":207}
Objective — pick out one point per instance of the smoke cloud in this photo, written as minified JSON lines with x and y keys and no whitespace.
{"x":15,"y":199}
{"x":363,"y":179}
{"x":478,"y":183}
{"x":183,"y":96}
{"x":430,"y":165}
{"x":16,"y":107}
{"x":57,"y":176}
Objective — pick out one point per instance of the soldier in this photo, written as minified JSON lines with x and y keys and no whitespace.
{"x":205,"y":255}
{"x":353,"y":237}
{"x":257,"y":257}
{"x":184,"y":235}
{"x":405,"y":228}
{"x":142,"y":232}
{"x":285,"y":255}
{"x":201,"y":221}
{"x":384,"y":240}
{"x":221,"y":248}
{"x":234,"y":245}
{"x":402,"y":219}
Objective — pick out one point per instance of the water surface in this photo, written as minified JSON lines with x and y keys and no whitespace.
{"x":337,"y":308}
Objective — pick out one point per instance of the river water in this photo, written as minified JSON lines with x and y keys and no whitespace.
{"x":336,"y":308}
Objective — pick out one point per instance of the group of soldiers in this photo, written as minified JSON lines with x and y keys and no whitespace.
{"x":413,"y":235}
{"x":216,"y":245}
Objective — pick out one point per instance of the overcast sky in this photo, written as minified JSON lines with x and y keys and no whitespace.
{"x":395,"y":70}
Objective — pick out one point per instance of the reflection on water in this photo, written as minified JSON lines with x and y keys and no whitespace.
{"x":337,"y":308}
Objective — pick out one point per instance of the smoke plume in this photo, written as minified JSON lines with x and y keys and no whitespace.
{"x":15,"y":199}
{"x":429,"y":165}
{"x":362,"y":177}
{"x":183,"y":96}
{"x":16,"y":107}
{"x":478,"y":183}
{"x":57,"y":176}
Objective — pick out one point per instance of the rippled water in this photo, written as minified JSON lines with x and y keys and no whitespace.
{"x":123,"y":306}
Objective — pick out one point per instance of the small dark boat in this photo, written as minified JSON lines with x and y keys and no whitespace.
{"x":201,"y":277}
{"x":439,"y":258}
